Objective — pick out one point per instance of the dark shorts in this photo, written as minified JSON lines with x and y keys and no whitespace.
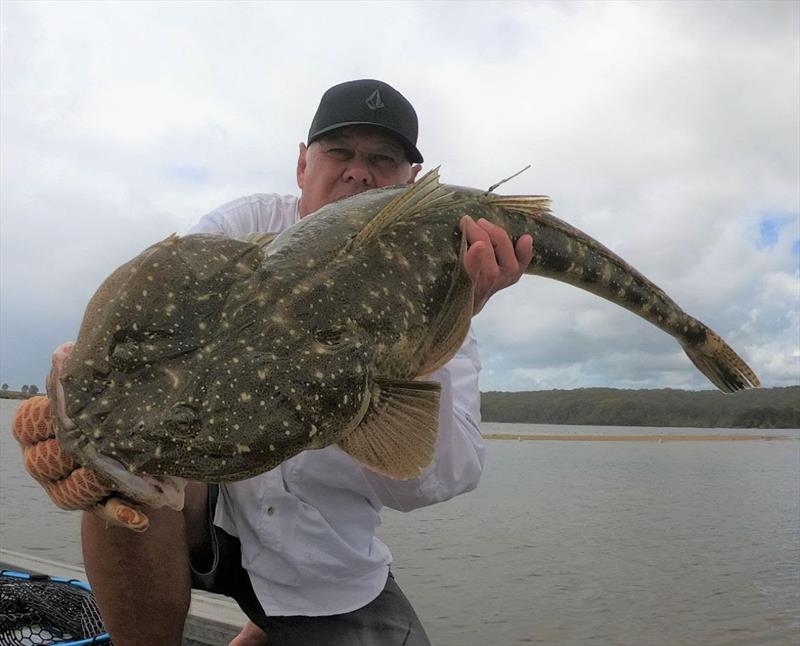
{"x":389,"y":620}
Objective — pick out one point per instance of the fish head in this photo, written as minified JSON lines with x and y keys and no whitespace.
{"x":225,"y":412}
{"x":262,"y":404}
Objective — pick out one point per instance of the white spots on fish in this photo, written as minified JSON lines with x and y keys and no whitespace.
{"x":245,"y":397}
{"x":242,"y":448}
{"x":202,"y":325}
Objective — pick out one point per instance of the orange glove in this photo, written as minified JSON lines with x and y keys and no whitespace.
{"x":68,"y":484}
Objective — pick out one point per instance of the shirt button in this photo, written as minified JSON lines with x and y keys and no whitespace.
{"x":270,"y":510}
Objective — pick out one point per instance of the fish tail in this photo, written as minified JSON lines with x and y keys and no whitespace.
{"x":565,"y":253}
{"x":723,"y":367}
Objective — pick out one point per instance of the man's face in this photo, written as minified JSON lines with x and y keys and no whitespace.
{"x":349,"y":161}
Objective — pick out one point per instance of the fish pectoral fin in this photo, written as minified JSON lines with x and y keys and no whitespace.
{"x":416,"y":198}
{"x":398,"y":433}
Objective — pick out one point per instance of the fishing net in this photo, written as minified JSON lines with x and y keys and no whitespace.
{"x":38,"y":610}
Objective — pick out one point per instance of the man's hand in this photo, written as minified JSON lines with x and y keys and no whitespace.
{"x":250,"y":635}
{"x":491,"y":261}
{"x":69,"y":485}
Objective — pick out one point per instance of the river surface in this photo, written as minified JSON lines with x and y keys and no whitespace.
{"x":573,"y":542}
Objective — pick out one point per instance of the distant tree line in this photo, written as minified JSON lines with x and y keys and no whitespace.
{"x":760,"y":408}
{"x":28,"y":390}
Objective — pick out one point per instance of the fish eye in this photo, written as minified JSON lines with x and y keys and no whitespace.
{"x":182,"y":420}
{"x":330,"y":337}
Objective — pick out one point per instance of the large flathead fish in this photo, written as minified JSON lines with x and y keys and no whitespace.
{"x":215,"y":359}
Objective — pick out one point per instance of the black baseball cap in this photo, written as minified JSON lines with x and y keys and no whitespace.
{"x":371,"y":103}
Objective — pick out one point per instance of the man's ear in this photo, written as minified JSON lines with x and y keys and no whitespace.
{"x":301,"y":164}
{"x":415,"y":169}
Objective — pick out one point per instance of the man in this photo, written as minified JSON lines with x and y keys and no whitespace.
{"x":296,"y":546}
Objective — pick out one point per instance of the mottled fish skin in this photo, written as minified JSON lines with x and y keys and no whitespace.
{"x":216,"y":359}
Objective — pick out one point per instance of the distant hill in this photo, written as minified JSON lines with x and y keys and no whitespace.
{"x":758,"y":408}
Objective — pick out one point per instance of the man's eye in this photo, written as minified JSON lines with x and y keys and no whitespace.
{"x":383,"y":161}
{"x":339,"y":153}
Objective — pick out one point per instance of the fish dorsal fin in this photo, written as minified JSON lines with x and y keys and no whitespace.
{"x":412,"y":201}
{"x":452,"y":323}
{"x":398,"y":433}
{"x":261,"y":238}
{"x":530,"y":205}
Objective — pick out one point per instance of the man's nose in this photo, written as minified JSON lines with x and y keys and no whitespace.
{"x":358,"y":171}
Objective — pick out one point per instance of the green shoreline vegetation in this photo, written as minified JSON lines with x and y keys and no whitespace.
{"x":758,"y":408}
{"x":16,"y":394}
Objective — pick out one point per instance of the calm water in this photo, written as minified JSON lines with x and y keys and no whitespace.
{"x":569,"y":542}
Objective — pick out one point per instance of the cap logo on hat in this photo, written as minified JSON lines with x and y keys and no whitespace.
{"x":374,"y":101}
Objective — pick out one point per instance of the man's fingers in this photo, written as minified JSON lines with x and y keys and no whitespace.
{"x":118,"y":512}
{"x":46,"y":461}
{"x":32,"y":421}
{"x":81,"y":489}
{"x":524,"y":251}
{"x":250,"y":635}
{"x":501,"y":243}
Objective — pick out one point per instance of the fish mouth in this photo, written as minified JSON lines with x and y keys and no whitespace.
{"x":153,"y":491}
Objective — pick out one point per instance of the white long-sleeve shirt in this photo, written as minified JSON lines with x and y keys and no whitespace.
{"x":307,"y":527}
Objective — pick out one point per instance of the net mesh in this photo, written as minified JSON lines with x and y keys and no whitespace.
{"x":39,"y":610}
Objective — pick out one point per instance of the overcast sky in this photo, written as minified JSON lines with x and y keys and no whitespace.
{"x":668,"y":131}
